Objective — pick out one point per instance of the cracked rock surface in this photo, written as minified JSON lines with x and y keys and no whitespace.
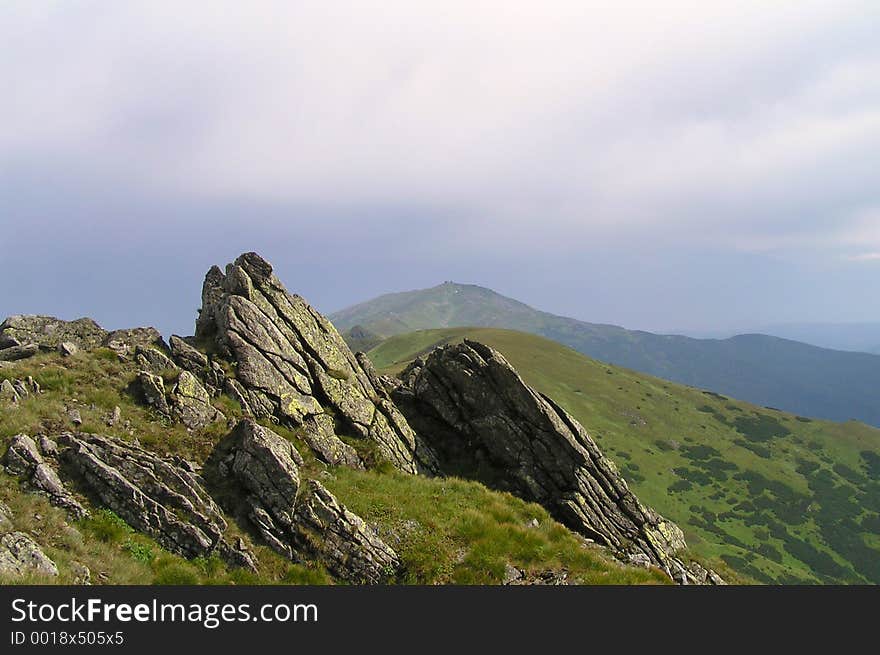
{"x":292,"y":365}
{"x":485,"y":422}
{"x":300,"y":519}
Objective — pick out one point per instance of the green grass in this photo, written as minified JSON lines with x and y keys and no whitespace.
{"x":446,"y":531}
{"x":456,"y":531}
{"x":777,"y":497}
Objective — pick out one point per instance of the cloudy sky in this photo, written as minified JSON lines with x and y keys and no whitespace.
{"x":666,"y":166}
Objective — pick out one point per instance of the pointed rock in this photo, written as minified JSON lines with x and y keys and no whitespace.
{"x":293,"y":365}
{"x":485,"y":422}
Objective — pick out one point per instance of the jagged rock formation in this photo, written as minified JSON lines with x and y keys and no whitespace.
{"x":292,"y":365}
{"x":485,"y":422}
{"x":163,"y":498}
{"x":300,"y":520}
{"x":24,"y":459}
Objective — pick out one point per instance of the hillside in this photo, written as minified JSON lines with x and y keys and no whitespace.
{"x":764,"y":370}
{"x":261,"y":450}
{"x":779,"y":497}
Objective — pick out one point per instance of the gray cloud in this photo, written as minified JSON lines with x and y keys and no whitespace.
{"x":459,"y":137}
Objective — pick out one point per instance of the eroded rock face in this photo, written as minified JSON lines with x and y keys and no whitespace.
{"x":187,"y":401}
{"x":163,"y":498}
{"x":485,"y":422}
{"x":300,"y":520}
{"x":294,"y":366}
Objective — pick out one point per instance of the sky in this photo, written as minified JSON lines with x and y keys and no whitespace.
{"x":675,"y":166}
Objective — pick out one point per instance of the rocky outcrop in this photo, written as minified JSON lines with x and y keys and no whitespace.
{"x":126,"y":342}
{"x":23,"y":458}
{"x":292,"y":365}
{"x":22,"y":336}
{"x":187,"y":401}
{"x":14,"y":390}
{"x":16,"y":352}
{"x":300,"y":520}
{"x":19,"y":555}
{"x":163,"y":498}
{"x":485,"y":422}
{"x":152,"y":359}
{"x":191,"y":403}
{"x":48,"y":332}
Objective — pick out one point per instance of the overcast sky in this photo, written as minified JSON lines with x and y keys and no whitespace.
{"x":665,"y":166}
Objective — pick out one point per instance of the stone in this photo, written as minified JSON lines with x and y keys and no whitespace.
{"x":8,"y":394}
{"x":125,"y":342}
{"x":113,"y":417}
{"x":292,"y":365}
{"x":153,"y":495}
{"x":19,"y":555}
{"x":187,"y":357}
{"x":150,"y":359}
{"x":5,"y":518}
{"x":24,"y":459}
{"x":67,"y":348}
{"x":14,"y":353}
{"x":300,"y":520}
{"x":81,"y":574}
{"x":153,"y":391}
{"x":48,"y":447}
{"x":75,"y":417}
{"x":48,"y":332}
{"x":341,"y":540}
{"x":191,"y":403}
{"x":511,"y":574}
{"x":485,"y":422}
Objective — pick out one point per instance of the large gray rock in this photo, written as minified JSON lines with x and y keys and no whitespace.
{"x":188,"y":357}
{"x":160,"y":497}
{"x":23,"y":458}
{"x":294,"y":366}
{"x":19,"y":555}
{"x":48,"y":332}
{"x":14,"y":353}
{"x":191,"y":403}
{"x":152,"y":359}
{"x":485,"y":422}
{"x":299,"y":520}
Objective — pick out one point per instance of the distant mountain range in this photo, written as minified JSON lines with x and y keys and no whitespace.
{"x":761,"y":369}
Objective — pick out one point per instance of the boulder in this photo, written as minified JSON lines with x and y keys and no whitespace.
{"x":485,"y":422}
{"x":187,"y":357}
{"x":67,"y":348}
{"x":153,"y":360}
{"x":300,"y":520}
{"x":8,"y":393}
{"x":153,"y":391}
{"x":191,"y":403}
{"x":19,"y":555}
{"x":292,"y":364}
{"x":14,"y":353}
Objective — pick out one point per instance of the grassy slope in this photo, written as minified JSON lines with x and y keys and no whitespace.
{"x":445,"y":530}
{"x":758,"y":368}
{"x":778,"y":497}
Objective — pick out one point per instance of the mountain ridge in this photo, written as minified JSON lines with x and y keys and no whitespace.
{"x":762,"y":369}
